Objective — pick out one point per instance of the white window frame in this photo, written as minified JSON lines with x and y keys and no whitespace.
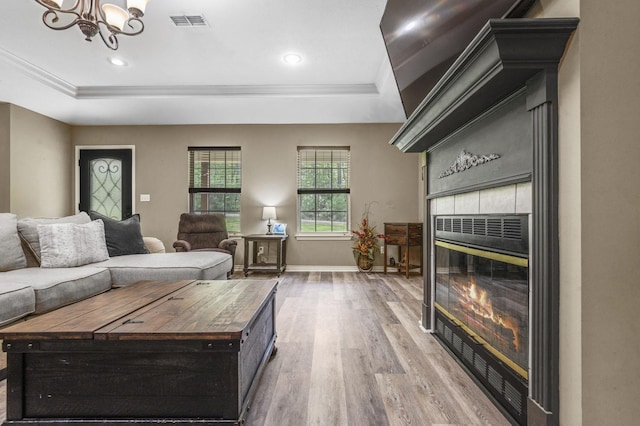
{"x":191,"y":189}
{"x":324,"y":236}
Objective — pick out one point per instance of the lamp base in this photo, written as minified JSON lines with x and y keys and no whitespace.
{"x":269,"y":229}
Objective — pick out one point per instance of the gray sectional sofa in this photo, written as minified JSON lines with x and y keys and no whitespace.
{"x":39,"y":276}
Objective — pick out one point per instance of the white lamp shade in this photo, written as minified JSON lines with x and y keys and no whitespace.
{"x":268,"y":213}
{"x":137,"y":4}
{"x":54,"y":3}
{"x":115,"y":16}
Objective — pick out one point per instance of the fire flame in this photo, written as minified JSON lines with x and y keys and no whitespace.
{"x":479,"y":302}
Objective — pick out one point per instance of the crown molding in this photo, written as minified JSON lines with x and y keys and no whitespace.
{"x":176,"y":91}
{"x":39,"y":74}
{"x":287,"y":90}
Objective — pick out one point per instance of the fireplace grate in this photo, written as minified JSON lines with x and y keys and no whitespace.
{"x":510,"y":228}
{"x":495,"y":379}
{"x":512,"y":395}
{"x":503,"y":385}
{"x":507,"y":233}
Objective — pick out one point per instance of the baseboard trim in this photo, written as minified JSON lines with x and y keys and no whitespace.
{"x":318,"y":268}
{"x":536,"y":415}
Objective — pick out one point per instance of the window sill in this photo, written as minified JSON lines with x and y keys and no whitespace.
{"x":318,"y":236}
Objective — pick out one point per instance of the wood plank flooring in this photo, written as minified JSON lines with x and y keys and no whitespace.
{"x":351,"y":352}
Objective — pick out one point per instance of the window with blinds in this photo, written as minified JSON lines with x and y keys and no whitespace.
{"x":215,"y":182}
{"x":323,"y":189}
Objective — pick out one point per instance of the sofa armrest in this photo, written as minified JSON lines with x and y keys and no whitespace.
{"x":182,"y":245}
{"x":154,"y":245}
{"x":229,"y":245}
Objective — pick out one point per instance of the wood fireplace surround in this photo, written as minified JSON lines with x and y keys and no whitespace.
{"x":496,"y":110}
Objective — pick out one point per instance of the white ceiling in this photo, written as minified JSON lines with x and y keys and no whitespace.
{"x":228,"y":72}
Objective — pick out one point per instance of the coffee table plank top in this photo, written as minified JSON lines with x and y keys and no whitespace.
{"x":203,"y":310}
{"x":81,"y":319}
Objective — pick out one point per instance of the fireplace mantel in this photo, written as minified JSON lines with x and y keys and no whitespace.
{"x":508,"y":59}
{"x":500,"y":60}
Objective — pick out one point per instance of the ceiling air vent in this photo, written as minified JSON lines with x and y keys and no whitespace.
{"x":189,"y":21}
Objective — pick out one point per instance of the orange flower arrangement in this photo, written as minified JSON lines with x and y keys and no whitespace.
{"x":366,"y":238}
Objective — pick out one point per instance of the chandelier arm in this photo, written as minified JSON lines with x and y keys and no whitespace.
{"x":98,"y":9}
{"x":130,"y":23}
{"x":111,"y":41}
{"x":51,"y":17}
{"x":89,"y":16}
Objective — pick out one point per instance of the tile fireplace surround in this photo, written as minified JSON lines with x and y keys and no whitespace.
{"x":489,"y":129}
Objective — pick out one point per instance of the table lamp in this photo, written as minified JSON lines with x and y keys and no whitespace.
{"x":269,"y":213}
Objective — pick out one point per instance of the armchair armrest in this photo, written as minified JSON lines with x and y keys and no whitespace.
{"x":182,"y":245}
{"x":229,"y":245}
{"x":153,"y":244}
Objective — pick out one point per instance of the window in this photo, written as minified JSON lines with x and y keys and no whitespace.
{"x":323,"y":189}
{"x":215,"y":182}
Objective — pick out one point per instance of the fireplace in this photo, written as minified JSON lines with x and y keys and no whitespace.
{"x":482,"y":301}
{"x":490,"y":127}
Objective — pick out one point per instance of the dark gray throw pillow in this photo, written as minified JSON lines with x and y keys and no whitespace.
{"x":123,"y":236}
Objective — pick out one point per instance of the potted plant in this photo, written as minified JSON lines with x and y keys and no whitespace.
{"x":366,"y":243}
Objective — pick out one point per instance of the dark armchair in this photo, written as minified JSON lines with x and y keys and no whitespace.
{"x":205,"y":232}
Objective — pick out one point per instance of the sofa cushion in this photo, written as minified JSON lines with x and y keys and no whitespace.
{"x":11,"y":254}
{"x":17,"y":300}
{"x":126,"y":270}
{"x":28,"y":229}
{"x":64,"y":245}
{"x":56,"y":287}
{"x":123,"y":236}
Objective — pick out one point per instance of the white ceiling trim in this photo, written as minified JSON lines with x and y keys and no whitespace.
{"x":39,"y":74}
{"x":296,"y":90}
{"x":116,"y":92}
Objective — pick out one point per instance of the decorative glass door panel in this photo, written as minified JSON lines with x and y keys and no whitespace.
{"x":106,"y":187}
{"x":105,"y":182}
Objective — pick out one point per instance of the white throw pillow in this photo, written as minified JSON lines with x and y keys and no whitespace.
{"x":11,"y":254}
{"x":64,"y":245}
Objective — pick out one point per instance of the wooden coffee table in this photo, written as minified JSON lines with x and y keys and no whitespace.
{"x":154,"y":352}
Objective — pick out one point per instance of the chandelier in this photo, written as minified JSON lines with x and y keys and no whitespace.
{"x":92,"y":18}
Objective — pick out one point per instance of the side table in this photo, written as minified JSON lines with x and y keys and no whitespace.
{"x":405,"y":236}
{"x":251,"y":263}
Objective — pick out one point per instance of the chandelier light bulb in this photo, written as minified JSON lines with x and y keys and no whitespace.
{"x":54,"y":3}
{"x":115,"y":16}
{"x":137,"y":7}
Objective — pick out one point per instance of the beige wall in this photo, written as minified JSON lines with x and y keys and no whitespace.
{"x":35,"y":164}
{"x":599,"y":212}
{"x":41,"y":163}
{"x":379,"y":173}
{"x":5,"y":152}
{"x":610,"y":151}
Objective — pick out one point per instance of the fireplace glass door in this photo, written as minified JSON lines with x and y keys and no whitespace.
{"x":486,"y":293}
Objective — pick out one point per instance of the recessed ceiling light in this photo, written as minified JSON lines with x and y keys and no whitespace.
{"x":119,"y":62}
{"x":292,"y":58}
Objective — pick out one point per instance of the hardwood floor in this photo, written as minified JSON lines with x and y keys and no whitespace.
{"x":351,"y":352}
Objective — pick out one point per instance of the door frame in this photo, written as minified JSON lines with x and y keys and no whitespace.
{"x":76,"y":172}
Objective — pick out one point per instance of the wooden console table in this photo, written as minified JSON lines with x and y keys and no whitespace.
{"x":405,"y":236}
{"x":253,"y":263}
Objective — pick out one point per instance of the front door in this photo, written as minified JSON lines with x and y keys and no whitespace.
{"x":106,"y":182}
